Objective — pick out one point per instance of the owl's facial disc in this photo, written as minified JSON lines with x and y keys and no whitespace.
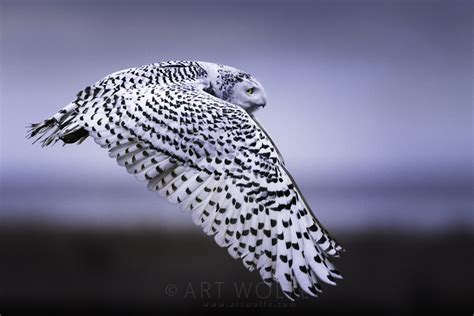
{"x":234,"y":86}
{"x":249,"y":95}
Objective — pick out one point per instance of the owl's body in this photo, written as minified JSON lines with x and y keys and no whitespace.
{"x":188,"y":130}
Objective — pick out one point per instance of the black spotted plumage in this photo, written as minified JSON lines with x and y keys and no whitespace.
{"x":188,"y":130}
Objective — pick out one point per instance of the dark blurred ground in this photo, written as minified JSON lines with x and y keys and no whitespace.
{"x":126,"y":270}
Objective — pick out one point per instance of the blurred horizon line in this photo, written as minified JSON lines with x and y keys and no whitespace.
{"x":403,"y":180}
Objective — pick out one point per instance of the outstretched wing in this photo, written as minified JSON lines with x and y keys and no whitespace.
{"x":212,"y":158}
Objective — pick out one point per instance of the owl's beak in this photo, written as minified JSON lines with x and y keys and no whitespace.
{"x":255,"y":106}
{"x":262,"y":103}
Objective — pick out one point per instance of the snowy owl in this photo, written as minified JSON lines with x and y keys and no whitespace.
{"x":187,"y":128}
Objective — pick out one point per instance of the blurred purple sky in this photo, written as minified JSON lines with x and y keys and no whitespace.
{"x":361,"y":93}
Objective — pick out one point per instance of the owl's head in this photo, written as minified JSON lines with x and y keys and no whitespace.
{"x":235,"y":86}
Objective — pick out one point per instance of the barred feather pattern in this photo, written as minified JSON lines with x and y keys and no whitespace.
{"x":210,"y":156}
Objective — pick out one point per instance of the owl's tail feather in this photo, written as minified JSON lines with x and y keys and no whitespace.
{"x":61,"y":126}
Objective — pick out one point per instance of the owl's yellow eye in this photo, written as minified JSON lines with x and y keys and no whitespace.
{"x":250,"y":90}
